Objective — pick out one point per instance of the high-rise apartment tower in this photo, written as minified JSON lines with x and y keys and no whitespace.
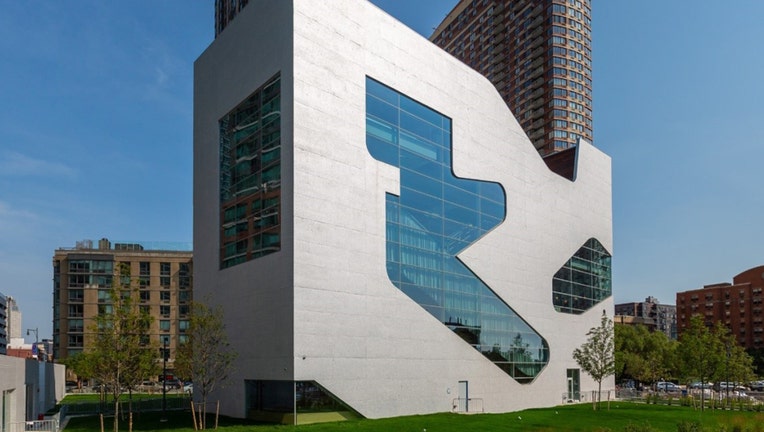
{"x":225,"y":11}
{"x":538,"y":55}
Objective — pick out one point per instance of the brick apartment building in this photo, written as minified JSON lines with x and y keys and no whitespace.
{"x":738,"y":305}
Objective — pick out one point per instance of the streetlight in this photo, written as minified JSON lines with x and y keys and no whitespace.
{"x":164,"y":380}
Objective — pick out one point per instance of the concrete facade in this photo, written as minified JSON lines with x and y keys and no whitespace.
{"x":28,"y":389}
{"x":323,"y":309}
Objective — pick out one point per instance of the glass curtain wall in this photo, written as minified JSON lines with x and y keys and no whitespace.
{"x":436,"y":216}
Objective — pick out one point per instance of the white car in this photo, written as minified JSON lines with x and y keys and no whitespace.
{"x":188,"y":387}
{"x":667,"y":386}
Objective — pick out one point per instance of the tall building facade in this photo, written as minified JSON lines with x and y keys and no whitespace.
{"x":4,"y":323}
{"x":14,"y":319}
{"x":738,"y":305}
{"x":538,"y":54}
{"x":650,"y":313}
{"x":382,"y":236}
{"x":82,"y":279}
{"x":225,"y":12}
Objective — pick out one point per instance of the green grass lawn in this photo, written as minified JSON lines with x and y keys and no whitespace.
{"x":621,"y":416}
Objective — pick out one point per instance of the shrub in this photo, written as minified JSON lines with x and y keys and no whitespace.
{"x":688,"y":426}
{"x":631,"y":427}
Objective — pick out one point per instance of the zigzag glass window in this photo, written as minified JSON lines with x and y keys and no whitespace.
{"x":250,"y":177}
{"x":436,"y":216}
{"x":584,"y":280}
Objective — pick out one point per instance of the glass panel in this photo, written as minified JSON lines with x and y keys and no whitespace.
{"x":436,"y":216}
{"x":250,"y":174}
{"x":584,"y":280}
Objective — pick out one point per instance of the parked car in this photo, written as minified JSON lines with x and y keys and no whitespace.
{"x":756,"y":385}
{"x":699,"y":385}
{"x":188,"y":387}
{"x":731,"y":386}
{"x":667,"y":386}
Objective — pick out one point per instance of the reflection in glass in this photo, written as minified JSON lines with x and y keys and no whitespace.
{"x":584,"y":280}
{"x":436,"y":216}
{"x":250,"y":177}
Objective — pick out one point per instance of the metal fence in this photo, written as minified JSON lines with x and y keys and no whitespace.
{"x":94,"y":408}
{"x":463,"y":405}
{"x":37,"y":425}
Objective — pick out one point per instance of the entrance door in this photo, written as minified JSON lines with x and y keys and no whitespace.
{"x":574,"y":384}
{"x":464,"y":396}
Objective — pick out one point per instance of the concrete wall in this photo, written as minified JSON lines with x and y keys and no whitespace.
{"x":355,"y":333}
{"x":12,"y":389}
{"x":332,"y":315}
{"x":256,"y":296}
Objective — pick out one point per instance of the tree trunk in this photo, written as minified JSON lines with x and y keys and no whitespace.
{"x":599,"y":392}
{"x":116,"y":415}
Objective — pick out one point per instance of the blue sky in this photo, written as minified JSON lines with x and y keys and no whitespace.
{"x":96,"y":133}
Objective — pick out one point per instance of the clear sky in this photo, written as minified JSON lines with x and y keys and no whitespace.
{"x":96,"y":133}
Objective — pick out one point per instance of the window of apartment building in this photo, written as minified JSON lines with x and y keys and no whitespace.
{"x":183,"y":325}
{"x":76,"y":311}
{"x":145,"y":296}
{"x":184,"y":296}
{"x":74,"y":340}
{"x":164,"y":340}
{"x":76,"y":295}
{"x":76,"y":326}
{"x":164,"y":274}
{"x":145,"y":274}
{"x":145,"y":309}
{"x":184,"y":276}
{"x":78,"y":280}
{"x":164,"y":310}
{"x":103,"y":296}
{"x":164,"y":325}
{"x":164,"y":296}
{"x":183,"y":310}
{"x":105,"y":309}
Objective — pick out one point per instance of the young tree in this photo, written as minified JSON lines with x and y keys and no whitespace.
{"x":738,"y":365}
{"x":700,"y":353}
{"x":596,"y":356}
{"x":120,"y":356}
{"x":207,"y":356}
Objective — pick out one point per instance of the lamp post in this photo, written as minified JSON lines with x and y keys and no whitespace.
{"x":164,"y":381}
{"x":727,"y":372}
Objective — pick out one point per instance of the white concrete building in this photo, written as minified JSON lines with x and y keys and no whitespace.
{"x":379,"y":229}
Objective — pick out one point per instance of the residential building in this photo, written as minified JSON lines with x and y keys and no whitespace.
{"x":380,"y":233}
{"x":82,"y":280}
{"x":738,"y":305}
{"x":225,"y":12}
{"x":650,"y":313}
{"x":538,"y":54}
{"x":4,"y":337}
{"x":14,"y":319}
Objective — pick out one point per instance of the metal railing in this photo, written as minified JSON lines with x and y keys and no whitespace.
{"x":463,"y":405}
{"x":35,"y":425}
